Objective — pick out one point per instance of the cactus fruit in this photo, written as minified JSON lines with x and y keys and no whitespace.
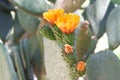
{"x":83,"y":40}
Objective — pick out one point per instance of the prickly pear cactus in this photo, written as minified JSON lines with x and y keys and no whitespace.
{"x":57,"y":39}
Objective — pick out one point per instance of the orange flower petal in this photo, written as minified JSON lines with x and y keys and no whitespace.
{"x":67,"y":23}
{"x":68,"y":49}
{"x":52,"y":14}
{"x":81,"y":66}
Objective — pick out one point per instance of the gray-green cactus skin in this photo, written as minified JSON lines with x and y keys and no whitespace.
{"x":7,"y":71}
{"x":35,"y":47}
{"x":103,"y":65}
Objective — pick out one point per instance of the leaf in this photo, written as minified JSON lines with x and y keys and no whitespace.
{"x":116,"y":1}
{"x":6,"y":5}
{"x":28,"y":22}
{"x":6,"y":23}
{"x":36,"y":7}
{"x":95,"y":14}
{"x":7,"y":71}
{"x":103,"y":65}
{"x":113,"y":28}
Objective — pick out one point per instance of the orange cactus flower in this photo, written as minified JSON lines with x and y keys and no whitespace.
{"x":68,"y":49}
{"x":81,"y":66}
{"x":67,"y":23}
{"x":52,"y":15}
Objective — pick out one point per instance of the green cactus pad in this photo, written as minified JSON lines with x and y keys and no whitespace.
{"x":47,"y":32}
{"x":103,"y":65}
{"x":18,"y":30}
{"x":36,"y":7}
{"x":7,"y":71}
{"x":61,"y":37}
{"x":68,"y":38}
{"x":95,"y":14}
{"x":113,"y":28}
{"x":18,"y":63}
{"x":57,"y":33}
{"x":28,"y":22}
{"x":116,"y":1}
{"x":27,"y":55}
{"x":34,"y":55}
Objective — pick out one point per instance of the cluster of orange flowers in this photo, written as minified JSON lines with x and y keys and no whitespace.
{"x":67,"y":23}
